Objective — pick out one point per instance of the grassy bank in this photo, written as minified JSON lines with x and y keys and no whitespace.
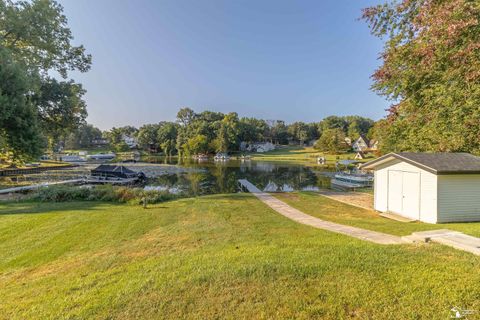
{"x":335,"y":211}
{"x":223,"y":256}
{"x":297,"y":153}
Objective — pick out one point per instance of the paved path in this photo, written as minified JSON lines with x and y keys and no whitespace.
{"x":455,"y":239}
{"x":298,"y":216}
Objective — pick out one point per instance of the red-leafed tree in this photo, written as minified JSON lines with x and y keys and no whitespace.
{"x":431,"y":73}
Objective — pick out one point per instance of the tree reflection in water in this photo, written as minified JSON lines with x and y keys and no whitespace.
{"x":208,"y":177}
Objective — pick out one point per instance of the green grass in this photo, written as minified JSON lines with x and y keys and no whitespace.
{"x":223,"y":256}
{"x":92,"y":150}
{"x":335,"y":211}
{"x":298,"y":153}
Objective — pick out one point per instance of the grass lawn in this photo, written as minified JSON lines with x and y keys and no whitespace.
{"x":222,"y":256}
{"x":43,"y":164}
{"x":297,"y":153}
{"x":92,"y":150}
{"x":335,"y":211}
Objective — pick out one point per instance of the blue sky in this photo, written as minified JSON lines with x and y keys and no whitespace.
{"x":289,"y":60}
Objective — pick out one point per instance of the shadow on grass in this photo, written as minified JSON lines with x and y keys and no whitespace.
{"x":32,"y":207}
{"x":36,"y":207}
{"x":225,"y":196}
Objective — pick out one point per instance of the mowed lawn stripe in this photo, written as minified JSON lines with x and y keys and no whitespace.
{"x":222,"y":256}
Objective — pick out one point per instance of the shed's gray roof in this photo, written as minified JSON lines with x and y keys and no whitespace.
{"x":437,"y":163}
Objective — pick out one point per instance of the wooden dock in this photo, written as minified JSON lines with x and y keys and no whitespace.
{"x":33,"y":170}
{"x":84,"y":180}
{"x":40,"y":185}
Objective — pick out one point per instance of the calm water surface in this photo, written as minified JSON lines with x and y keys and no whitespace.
{"x":202,"y":177}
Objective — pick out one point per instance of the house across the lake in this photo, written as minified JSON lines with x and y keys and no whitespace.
{"x":430,"y":187}
{"x":364,"y":144}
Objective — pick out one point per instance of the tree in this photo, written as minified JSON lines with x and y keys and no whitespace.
{"x":277,"y":132}
{"x":333,"y":122}
{"x":167,"y":136}
{"x":299,"y":132}
{"x":116,"y":137}
{"x":221,"y":143}
{"x":196,"y":145}
{"x":36,"y":36}
{"x":252,"y":130}
{"x":148,"y":136}
{"x":185,"y":116}
{"x":332,"y":141}
{"x":227,"y":134}
{"x":61,"y":108}
{"x":83,"y":137}
{"x":431,"y":72}
{"x":20,"y":135}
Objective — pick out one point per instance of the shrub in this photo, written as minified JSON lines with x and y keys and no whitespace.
{"x":101,"y":193}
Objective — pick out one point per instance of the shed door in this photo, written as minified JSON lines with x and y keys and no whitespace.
{"x":395,"y":195}
{"x":411,"y":195}
{"x":404,"y":193}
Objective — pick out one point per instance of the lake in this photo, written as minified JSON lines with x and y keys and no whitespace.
{"x":195,"y":177}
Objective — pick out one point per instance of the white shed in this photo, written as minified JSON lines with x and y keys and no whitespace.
{"x":430,"y":187}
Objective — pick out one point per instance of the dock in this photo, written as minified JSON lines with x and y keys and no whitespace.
{"x":72,"y":181}
{"x":40,"y":185}
{"x":33,"y":170}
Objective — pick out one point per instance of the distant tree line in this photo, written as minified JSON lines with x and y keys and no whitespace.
{"x":211,"y":132}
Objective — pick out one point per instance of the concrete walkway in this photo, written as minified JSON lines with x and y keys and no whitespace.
{"x":298,"y":216}
{"x":455,"y":239}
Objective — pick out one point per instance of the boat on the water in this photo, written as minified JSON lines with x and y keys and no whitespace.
{"x":355,"y":177}
{"x":101,"y":156}
{"x":347,"y":178}
{"x":221,"y":156}
{"x":200,"y":157}
{"x":72,"y":158}
{"x":115,"y":174}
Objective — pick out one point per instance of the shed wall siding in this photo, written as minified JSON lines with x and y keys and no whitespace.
{"x":380,"y":190}
{"x":459,"y":198}
{"x":428,"y":189}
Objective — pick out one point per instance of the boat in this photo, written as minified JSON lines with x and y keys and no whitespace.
{"x":355,"y":177}
{"x":245,"y":157}
{"x":221,"y":156}
{"x":200,"y":157}
{"x":101,"y":156}
{"x":72,"y":158}
{"x":115,"y":174}
{"x":350,"y":178}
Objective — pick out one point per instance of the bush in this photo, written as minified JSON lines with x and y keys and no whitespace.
{"x":101,"y":193}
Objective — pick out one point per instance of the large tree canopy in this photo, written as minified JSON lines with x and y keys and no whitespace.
{"x":37,"y":34}
{"x":19,"y":133}
{"x":431,"y":72}
{"x":36,"y":42}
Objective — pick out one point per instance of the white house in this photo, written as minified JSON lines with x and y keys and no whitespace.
{"x":130,"y":141}
{"x":430,"y":187}
{"x":360,"y":144}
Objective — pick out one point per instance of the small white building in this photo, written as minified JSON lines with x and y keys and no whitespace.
{"x":360,"y":144}
{"x":130,"y":141}
{"x":430,"y":187}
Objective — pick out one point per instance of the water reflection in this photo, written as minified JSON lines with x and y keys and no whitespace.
{"x":221,"y":177}
{"x":204,"y":177}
